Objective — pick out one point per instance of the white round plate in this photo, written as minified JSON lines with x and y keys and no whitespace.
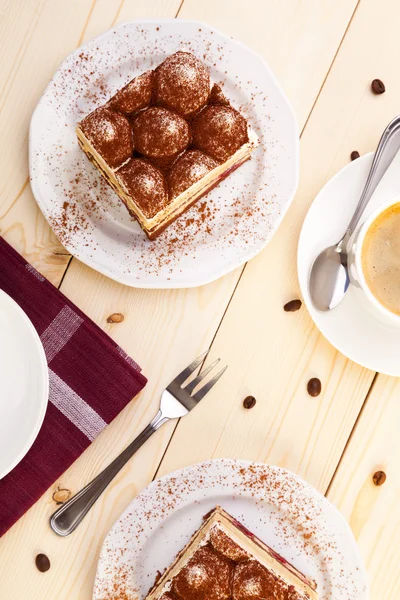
{"x":24,"y":384}
{"x":351,"y":327}
{"x":241,"y":214}
{"x":279,"y":507}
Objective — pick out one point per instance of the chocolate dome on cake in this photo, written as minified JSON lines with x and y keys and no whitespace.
{"x":219,"y":131}
{"x":189,"y":168}
{"x":205,"y":577}
{"x":252,"y":581}
{"x":160,"y":134}
{"x":134,"y":96}
{"x":146,"y":184}
{"x":223,"y":560}
{"x":182,"y":84}
{"x":110,"y":134}
{"x":162,"y":141}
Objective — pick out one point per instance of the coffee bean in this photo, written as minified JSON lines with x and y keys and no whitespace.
{"x":42,"y":563}
{"x":354,"y":155}
{"x":379,"y":478}
{"x":378,"y":87}
{"x":61,"y":495}
{"x":314,"y":387}
{"x":292,"y":306}
{"x":115,"y":318}
{"x":249,"y":402}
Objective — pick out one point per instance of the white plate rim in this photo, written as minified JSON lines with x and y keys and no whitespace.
{"x":44,"y":395}
{"x":243,"y":463}
{"x":165,"y":284}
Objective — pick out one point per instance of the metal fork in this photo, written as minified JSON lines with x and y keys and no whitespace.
{"x":176,"y":402}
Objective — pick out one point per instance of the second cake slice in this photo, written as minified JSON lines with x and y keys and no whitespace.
{"x":225,"y":561}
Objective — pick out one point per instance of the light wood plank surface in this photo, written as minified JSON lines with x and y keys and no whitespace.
{"x":373,"y":511}
{"x":271,"y":354}
{"x":254,"y":335}
{"x":298,"y":38}
{"x":36,"y":36}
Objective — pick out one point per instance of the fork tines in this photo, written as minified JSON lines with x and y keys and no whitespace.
{"x":207,"y":387}
{"x":190,"y":387}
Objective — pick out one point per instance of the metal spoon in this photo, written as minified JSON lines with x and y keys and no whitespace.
{"x":329,"y":278}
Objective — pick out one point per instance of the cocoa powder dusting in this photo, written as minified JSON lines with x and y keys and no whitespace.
{"x":237,"y":217}
{"x":295,"y":516}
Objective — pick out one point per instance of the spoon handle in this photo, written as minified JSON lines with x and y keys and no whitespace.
{"x":387,"y":149}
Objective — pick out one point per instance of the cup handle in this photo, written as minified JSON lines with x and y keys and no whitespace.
{"x":351,"y":262}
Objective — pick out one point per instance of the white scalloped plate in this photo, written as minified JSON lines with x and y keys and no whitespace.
{"x":245,"y":210}
{"x":279,"y":507}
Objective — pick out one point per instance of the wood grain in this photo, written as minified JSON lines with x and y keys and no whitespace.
{"x":36,"y":36}
{"x":299,"y":39}
{"x":373,"y":512}
{"x":164,"y":330}
{"x":272,"y":354}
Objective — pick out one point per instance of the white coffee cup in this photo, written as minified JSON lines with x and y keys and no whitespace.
{"x":355,"y":268}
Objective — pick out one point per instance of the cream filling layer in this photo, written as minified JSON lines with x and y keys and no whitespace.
{"x":221,"y":519}
{"x":180,"y":203}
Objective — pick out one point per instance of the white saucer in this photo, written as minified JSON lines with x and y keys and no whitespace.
{"x":85,"y":213}
{"x":350,"y":327}
{"x":24,"y":384}
{"x":279,"y":507}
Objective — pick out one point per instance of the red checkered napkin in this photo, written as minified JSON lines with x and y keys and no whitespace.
{"x":91,"y":380}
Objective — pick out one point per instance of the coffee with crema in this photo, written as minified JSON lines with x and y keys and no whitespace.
{"x":380,"y":258}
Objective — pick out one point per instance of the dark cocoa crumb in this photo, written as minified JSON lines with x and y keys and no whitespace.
{"x":354,"y":155}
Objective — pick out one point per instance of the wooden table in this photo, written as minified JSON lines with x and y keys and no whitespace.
{"x":325,"y":53}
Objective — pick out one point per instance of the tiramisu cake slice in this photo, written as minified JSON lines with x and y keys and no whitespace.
{"x":166,"y":139}
{"x":225,"y":561}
